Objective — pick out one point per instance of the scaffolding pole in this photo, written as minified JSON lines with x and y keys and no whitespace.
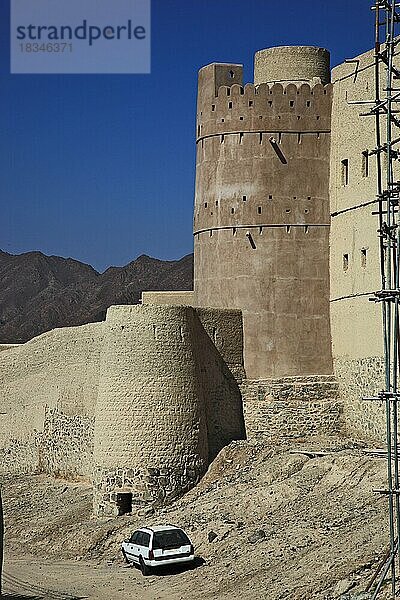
{"x":387,"y":18}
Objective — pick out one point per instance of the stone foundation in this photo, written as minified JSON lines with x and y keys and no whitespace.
{"x":291,"y":407}
{"x":151,"y":485}
{"x":360,"y":378}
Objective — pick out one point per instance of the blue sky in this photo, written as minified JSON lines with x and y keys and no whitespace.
{"x":101,"y":167}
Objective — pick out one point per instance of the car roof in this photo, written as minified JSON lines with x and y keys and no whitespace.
{"x":156,"y":528}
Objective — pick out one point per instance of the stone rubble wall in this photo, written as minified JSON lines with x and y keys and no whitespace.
{"x":358,"y":379}
{"x":291,"y":407}
{"x":48,"y":391}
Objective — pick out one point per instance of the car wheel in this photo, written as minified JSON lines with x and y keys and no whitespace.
{"x":124,"y":555}
{"x":143,"y":567}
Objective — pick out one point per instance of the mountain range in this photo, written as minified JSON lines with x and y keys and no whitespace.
{"x":39,"y":292}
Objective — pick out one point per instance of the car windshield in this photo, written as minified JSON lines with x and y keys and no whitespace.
{"x":171,"y":538}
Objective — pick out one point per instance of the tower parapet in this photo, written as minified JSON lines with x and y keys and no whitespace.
{"x":261,"y":220}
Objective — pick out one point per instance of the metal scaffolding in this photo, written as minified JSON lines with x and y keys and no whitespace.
{"x":387,"y":97}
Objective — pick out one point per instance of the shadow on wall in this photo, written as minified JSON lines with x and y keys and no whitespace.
{"x":220,"y":389}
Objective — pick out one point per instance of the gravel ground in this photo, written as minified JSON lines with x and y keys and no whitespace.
{"x":291,"y":521}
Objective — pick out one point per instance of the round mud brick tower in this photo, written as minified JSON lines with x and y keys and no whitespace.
{"x":150,"y":432}
{"x":291,"y":63}
{"x":261,"y":219}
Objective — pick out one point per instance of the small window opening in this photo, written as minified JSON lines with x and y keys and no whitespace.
{"x":365,"y":164}
{"x":222,"y":120}
{"x":240,"y":138}
{"x":260,"y":230}
{"x":345,"y":262}
{"x":232,"y":211}
{"x":291,"y":103}
{"x":345,"y":171}
{"x":261,"y":138}
{"x":306,"y":229}
{"x":317,"y":117}
{"x":299,"y":138}
{"x":306,"y":211}
{"x":244,"y":198}
{"x":363,"y":257}
{"x":308,"y":197}
{"x":213,"y":107}
{"x":269,"y":102}
{"x":308,"y":103}
{"x":251,"y":103}
{"x":222,"y":139}
{"x":259,"y":210}
{"x":228,"y":92}
{"x":279,"y":138}
{"x":298,"y":117}
{"x":287,"y":228}
{"x":270,"y":197}
{"x":234,"y":231}
{"x":230,"y":104}
{"x":231,"y":74}
{"x":288,"y":210}
{"x":205,"y":204}
{"x":124,"y":504}
{"x":216,"y":203}
{"x":241,"y":118}
{"x":198,"y":130}
{"x":211,"y":232}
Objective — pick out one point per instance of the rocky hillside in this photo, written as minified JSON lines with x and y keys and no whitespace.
{"x":289,"y":521}
{"x":39,"y":292}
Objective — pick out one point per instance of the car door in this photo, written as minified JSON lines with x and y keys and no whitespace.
{"x":132,"y":547}
{"x":144,"y":541}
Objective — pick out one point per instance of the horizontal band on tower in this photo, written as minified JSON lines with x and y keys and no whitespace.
{"x":267,"y":131}
{"x":261,"y":225}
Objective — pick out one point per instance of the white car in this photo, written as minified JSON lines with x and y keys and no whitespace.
{"x":151,"y":547}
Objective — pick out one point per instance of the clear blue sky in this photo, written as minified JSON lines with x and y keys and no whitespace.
{"x":101,"y":167}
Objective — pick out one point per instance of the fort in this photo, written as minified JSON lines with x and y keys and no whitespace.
{"x":277,"y":339}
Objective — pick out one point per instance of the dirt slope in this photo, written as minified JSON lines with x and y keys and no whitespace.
{"x":287,"y":525}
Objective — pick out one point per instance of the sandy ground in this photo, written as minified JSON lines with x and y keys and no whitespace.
{"x":287,"y":524}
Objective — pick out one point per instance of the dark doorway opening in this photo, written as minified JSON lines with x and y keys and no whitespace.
{"x":124,"y":503}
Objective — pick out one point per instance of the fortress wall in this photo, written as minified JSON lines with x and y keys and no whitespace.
{"x":354,"y":256}
{"x":48,"y":390}
{"x":261,"y":222}
{"x":291,"y":407}
{"x":161,"y":378}
{"x":183,"y":298}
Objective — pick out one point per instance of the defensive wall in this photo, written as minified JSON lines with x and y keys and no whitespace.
{"x":261,"y":220}
{"x":48,"y":391}
{"x":142,"y":402}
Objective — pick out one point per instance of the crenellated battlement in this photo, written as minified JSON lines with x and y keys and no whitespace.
{"x":271,"y":108}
